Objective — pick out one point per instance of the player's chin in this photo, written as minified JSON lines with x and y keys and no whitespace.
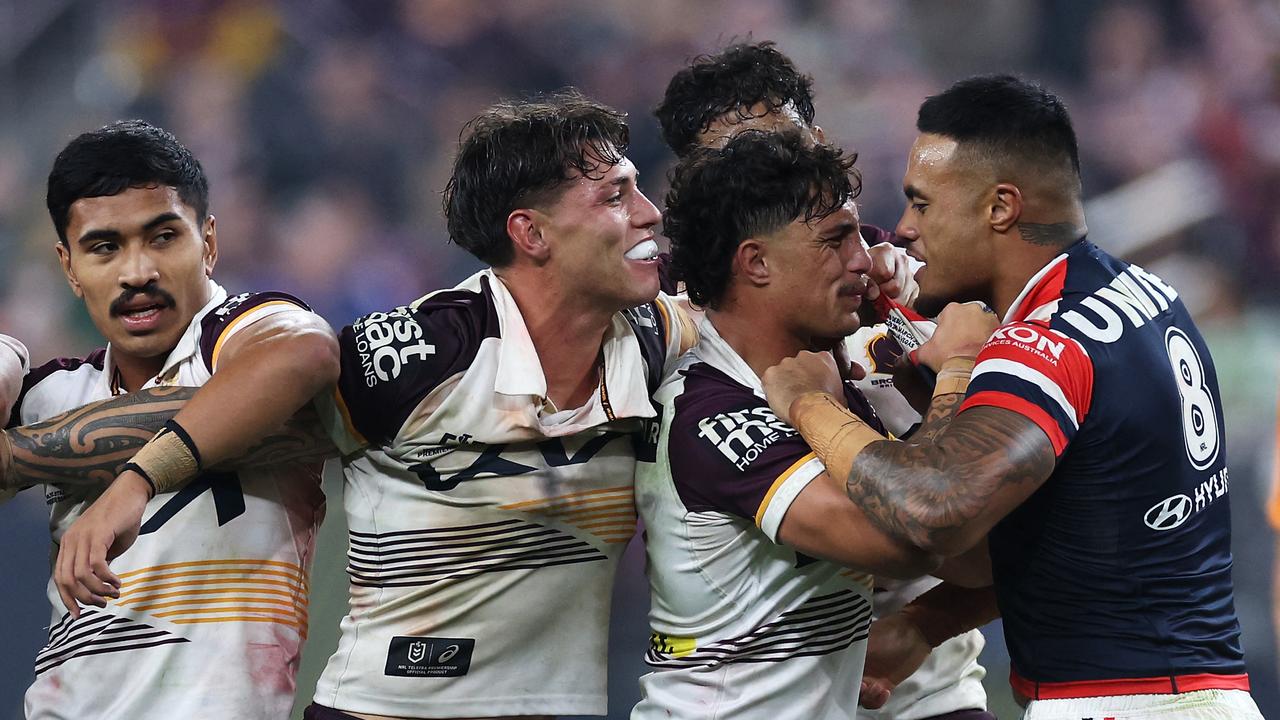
{"x":842,"y":323}
{"x":154,"y":344}
{"x":642,"y":282}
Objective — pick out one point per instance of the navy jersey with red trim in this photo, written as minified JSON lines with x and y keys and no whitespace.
{"x":1119,"y":566}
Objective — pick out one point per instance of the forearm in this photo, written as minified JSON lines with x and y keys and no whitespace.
{"x":90,"y":445}
{"x":970,"y":569}
{"x":251,"y":396}
{"x":884,"y":477}
{"x":948,"y":610}
{"x":922,"y":492}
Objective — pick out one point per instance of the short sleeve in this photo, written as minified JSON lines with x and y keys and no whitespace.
{"x":237,"y":313}
{"x":1038,"y":373}
{"x":729,"y":453}
{"x":391,"y":361}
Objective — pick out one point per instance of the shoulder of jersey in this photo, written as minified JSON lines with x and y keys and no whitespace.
{"x":709,"y":395}
{"x":47,"y":379}
{"x":392,"y":360}
{"x":219,"y":322}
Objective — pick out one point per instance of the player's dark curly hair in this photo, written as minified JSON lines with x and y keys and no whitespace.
{"x":518,"y":154}
{"x":1003,"y":116}
{"x":753,"y":186}
{"x":125,"y":154}
{"x":732,"y":80}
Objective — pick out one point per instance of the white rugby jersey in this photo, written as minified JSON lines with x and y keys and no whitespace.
{"x":212,"y":612}
{"x":950,"y":678}
{"x":485,"y":526}
{"x":743,"y":627}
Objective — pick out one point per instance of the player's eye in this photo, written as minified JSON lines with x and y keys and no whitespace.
{"x":165,"y":236}
{"x":919,"y":207}
{"x":102,"y":248}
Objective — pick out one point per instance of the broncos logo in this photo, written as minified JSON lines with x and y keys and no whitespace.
{"x":883,"y":351}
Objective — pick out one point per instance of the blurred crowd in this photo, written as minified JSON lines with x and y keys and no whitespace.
{"x":327,"y":128}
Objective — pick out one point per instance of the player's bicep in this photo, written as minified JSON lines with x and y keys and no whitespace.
{"x":287,"y":326}
{"x":944,"y":494}
{"x":999,"y":457}
{"x":823,"y":522}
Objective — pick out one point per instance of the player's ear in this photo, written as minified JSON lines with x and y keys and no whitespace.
{"x":64,"y":259}
{"x":525,"y":229}
{"x":1005,"y":207}
{"x":210,"y":245}
{"x":819,"y":134}
{"x":750,"y":262}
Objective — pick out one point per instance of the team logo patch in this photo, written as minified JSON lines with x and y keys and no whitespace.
{"x":409,"y":656}
{"x":742,"y":436}
{"x":1169,"y":513}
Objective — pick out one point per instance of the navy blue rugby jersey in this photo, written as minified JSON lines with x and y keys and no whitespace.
{"x":1114,"y":577}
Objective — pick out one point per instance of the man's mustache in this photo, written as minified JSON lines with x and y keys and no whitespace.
{"x":151,"y":290}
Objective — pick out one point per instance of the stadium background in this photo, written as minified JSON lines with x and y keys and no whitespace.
{"x":327,"y":127}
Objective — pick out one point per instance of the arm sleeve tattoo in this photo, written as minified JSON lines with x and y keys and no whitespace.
{"x":930,"y":490}
{"x":89,"y":445}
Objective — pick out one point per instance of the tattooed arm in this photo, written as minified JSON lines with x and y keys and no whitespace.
{"x":945,"y":493}
{"x":88,"y":445}
{"x":943,"y":489}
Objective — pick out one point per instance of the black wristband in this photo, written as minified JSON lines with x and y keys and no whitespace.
{"x":135,"y":467}
{"x":172,"y":426}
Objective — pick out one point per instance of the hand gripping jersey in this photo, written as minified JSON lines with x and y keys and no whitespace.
{"x":950,"y":678}
{"x":743,"y":627}
{"x":485,"y":525}
{"x":1114,"y":577}
{"x":212,"y":613}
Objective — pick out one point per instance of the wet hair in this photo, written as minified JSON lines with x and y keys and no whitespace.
{"x":1004,"y":118}
{"x":755,"y":185}
{"x":519,"y":154}
{"x":125,"y":154}
{"x":733,"y":80}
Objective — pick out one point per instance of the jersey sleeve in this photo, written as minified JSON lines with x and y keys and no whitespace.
{"x":729,"y":453}
{"x":1038,"y":373}
{"x":237,"y":313}
{"x":391,"y":362}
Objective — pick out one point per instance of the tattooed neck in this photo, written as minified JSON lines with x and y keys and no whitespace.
{"x":1050,"y":234}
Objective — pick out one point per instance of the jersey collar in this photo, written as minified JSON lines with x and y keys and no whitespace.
{"x":716,"y":352}
{"x":1043,"y":288}
{"x":520,"y":370}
